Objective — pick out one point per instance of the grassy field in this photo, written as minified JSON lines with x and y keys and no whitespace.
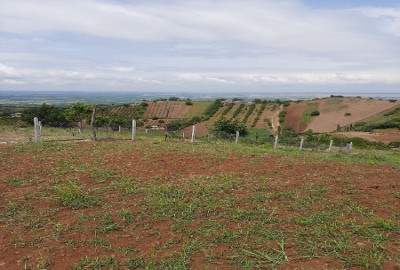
{"x":198,"y":108}
{"x":173,"y":205}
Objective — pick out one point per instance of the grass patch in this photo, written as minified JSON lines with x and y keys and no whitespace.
{"x":71,"y":195}
{"x":307,"y":116}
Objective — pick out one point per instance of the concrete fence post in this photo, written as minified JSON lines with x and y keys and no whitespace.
{"x":146,"y":131}
{"x":193,"y":133}
{"x":119,"y":129}
{"x":237,"y":137}
{"x":37,"y":129}
{"x":349,"y":147}
{"x":301,"y":144}
{"x":276,"y":141}
{"x":330,"y":146}
{"x":133,"y":130}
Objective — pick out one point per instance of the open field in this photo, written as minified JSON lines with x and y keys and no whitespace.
{"x":167,"y":109}
{"x":385,"y":135}
{"x":333,"y":112}
{"x":155,"y":205}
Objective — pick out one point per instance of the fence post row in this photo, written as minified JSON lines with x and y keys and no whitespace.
{"x":133,"y":130}
{"x":193,"y":134}
{"x":38,"y":128}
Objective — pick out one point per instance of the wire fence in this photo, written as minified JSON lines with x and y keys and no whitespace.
{"x":49,"y":134}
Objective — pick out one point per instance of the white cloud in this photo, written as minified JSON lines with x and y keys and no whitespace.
{"x":130,"y":44}
{"x":8,"y":72}
{"x":283,"y":25}
{"x":120,"y":69}
{"x":389,"y":18}
{"x":10,"y":82}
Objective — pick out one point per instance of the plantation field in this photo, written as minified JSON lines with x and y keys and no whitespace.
{"x":335,"y":111}
{"x":156,"y":205}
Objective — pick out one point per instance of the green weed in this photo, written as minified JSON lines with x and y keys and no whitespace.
{"x":71,"y":195}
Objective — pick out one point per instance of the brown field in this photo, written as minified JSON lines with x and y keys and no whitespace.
{"x":147,"y":205}
{"x":293,"y":117}
{"x":333,"y":112}
{"x":385,"y":136}
{"x":268,"y":113}
{"x":164,"y":109}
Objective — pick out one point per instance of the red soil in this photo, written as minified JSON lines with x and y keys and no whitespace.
{"x":371,"y":186}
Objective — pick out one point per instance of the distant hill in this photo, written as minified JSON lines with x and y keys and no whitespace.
{"x":333,"y":112}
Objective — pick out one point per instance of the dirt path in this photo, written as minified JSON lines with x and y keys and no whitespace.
{"x":275,"y":119}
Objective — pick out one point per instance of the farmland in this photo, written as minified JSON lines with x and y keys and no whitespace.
{"x":173,"y":205}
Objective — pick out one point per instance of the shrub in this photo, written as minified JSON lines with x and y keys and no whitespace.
{"x":213,"y":108}
{"x":361,"y":143}
{"x":282,"y":115}
{"x":227,"y":109}
{"x":394,"y":144}
{"x":227,"y":128}
{"x":238,"y":110}
{"x":314,"y":113}
{"x":48,"y":115}
{"x":249,"y":112}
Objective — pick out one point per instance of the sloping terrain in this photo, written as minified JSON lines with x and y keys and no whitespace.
{"x":265,"y":114}
{"x":167,"y":109}
{"x":334,"y":112}
{"x":386,"y":137}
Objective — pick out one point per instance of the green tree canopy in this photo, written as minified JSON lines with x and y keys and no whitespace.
{"x":49,"y":115}
{"x":77,"y":113}
{"x":227,"y":128}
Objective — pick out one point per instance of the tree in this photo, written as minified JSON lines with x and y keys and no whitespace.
{"x":228,"y":128}
{"x":49,"y":115}
{"x":77,"y":113}
{"x":314,"y":113}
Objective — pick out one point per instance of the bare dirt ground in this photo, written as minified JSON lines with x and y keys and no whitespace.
{"x":293,"y":116}
{"x":333,"y":112}
{"x":268,"y":113}
{"x":275,"y":119}
{"x":385,"y":137}
{"x":193,"y":207}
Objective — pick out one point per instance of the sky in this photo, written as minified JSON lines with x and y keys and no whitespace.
{"x":200,"y":46}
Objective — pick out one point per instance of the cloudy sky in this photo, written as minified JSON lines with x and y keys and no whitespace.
{"x":200,"y":45}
